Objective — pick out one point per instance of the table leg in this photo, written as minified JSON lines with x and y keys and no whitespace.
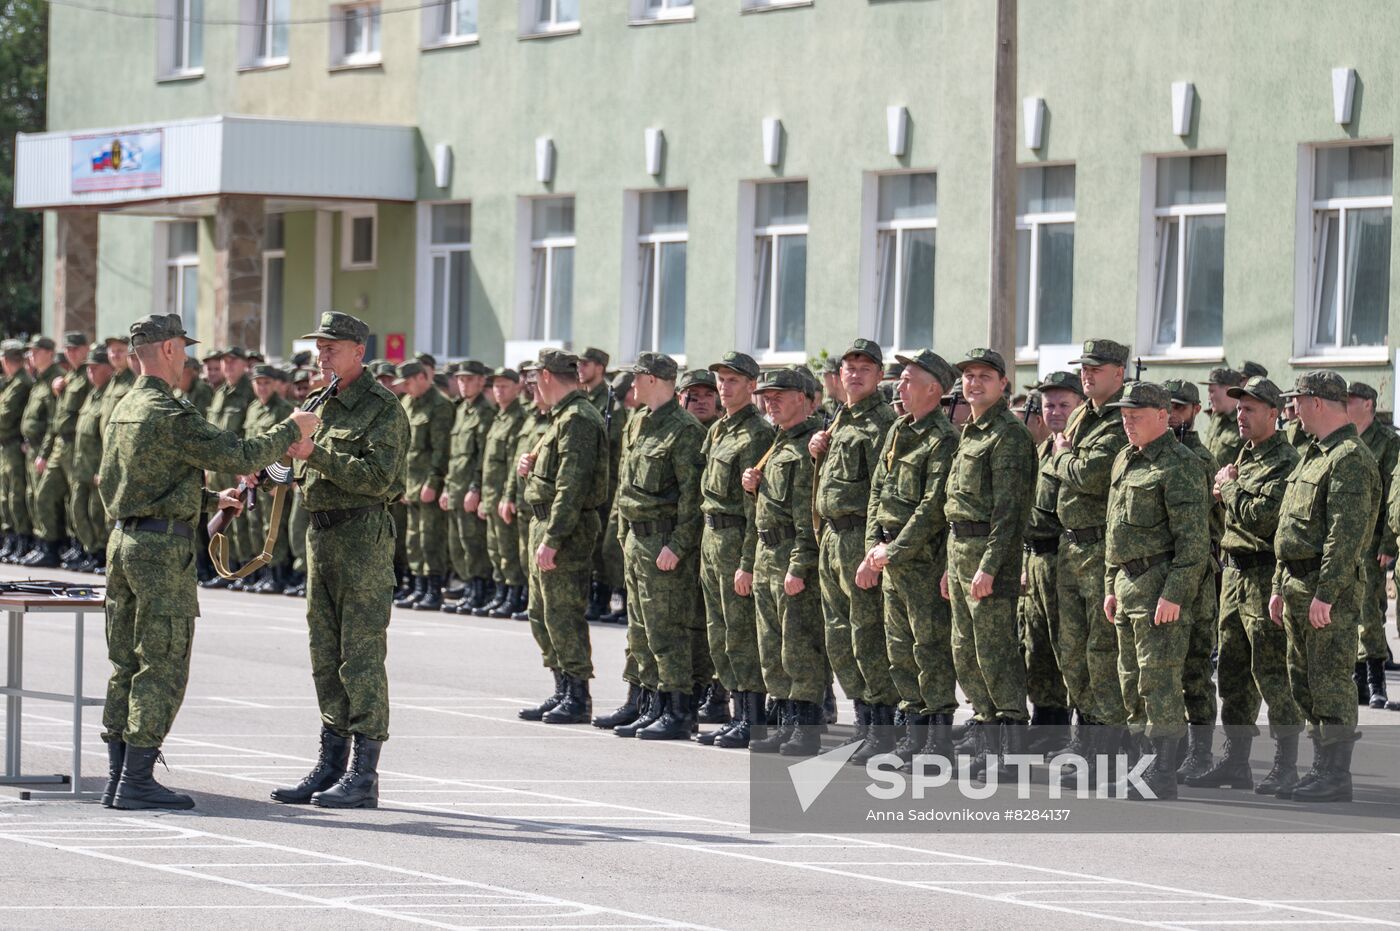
{"x":77,"y":702}
{"x":14,"y":704}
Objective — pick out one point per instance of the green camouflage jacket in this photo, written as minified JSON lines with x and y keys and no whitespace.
{"x":909,"y":486}
{"x":1044,"y":523}
{"x":993,"y":481}
{"x":1096,"y":435}
{"x":659,"y":475}
{"x":429,"y":440}
{"x":498,"y":458}
{"x":230,"y":405}
{"x":1384,"y":444}
{"x":13,"y":399}
{"x":1192,"y":441}
{"x":361,"y":445}
{"x":532,"y":429}
{"x":1251,"y":501}
{"x":467,"y":447}
{"x":1222,"y":438}
{"x":64,"y":423}
{"x":39,"y":408}
{"x":568,"y":475}
{"x":785,"y":495}
{"x":843,"y":475}
{"x":116,"y":390}
{"x":87,"y":438}
{"x":735,"y":443}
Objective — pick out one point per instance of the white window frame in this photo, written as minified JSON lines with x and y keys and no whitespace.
{"x":361,"y":58}
{"x":274,"y":353}
{"x":534,"y":28}
{"x":162,"y":299}
{"x":1311,"y":241}
{"x":634,"y":272}
{"x":433,"y":34}
{"x":532,"y":251}
{"x":347,"y":247}
{"x":1161,"y":219}
{"x":1032,"y":222}
{"x":174,"y":29}
{"x":759,"y":6}
{"x":256,"y":33}
{"x":752,"y":238}
{"x":427,"y":313}
{"x":899,"y":228}
{"x":640,"y":16}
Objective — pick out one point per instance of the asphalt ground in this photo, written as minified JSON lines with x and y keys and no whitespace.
{"x":487,"y":821}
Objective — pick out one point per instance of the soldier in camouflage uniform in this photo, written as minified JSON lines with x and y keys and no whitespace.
{"x":791,"y":640}
{"x":845,"y":454}
{"x":699,"y":393}
{"x":607,"y":557}
{"x":85,"y":513}
{"x":195,"y":389}
{"x":832,"y":389}
{"x":1253,"y":650}
{"x":461,"y":495}
{"x":659,"y":520}
{"x":55,"y":459}
{"x":14,"y":476}
{"x":430,"y":417}
{"x":350,"y":471}
{"x":123,"y":377}
{"x":566,"y":484}
{"x":298,"y":520}
{"x":1293,"y":430}
{"x":497,"y":466}
{"x":1325,"y":527}
{"x":1157,"y":546}
{"x":1380,"y":438}
{"x":1222,"y":434}
{"x":990,"y":490}
{"x":906,"y":550}
{"x":38,"y":414}
{"x":227,"y":411}
{"x":267,"y":408}
{"x":153,"y":489}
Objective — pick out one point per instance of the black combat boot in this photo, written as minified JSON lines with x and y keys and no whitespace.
{"x":510,"y":596}
{"x":806,"y":737}
{"x":915,"y":732}
{"x":1319,"y":765}
{"x":1375,"y":679}
{"x":880,"y":736}
{"x":1200,"y":756}
{"x":43,"y":556}
{"x":714,"y":707}
{"x":405,"y":582}
{"x":625,"y":713}
{"x":138,"y":790}
{"x":675,"y":722}
{"x":575,"y":708}
{"x":862,"y":725}
{"x":829,"y":713}
{"x":1358,"y":678}
{"x":779,"y":733}
{"x":539,"y":711}
{"x":1284,"y":775}
{"x":653,"y":705}
{"x":409,"y":598}
{"x":21,"y":545}
{"x":1232,"y":772}
{"x":1015,"y":738}
{"x":485,"y":594}
{"x":736,"y":716}
{"x":939,"y":742}
{"x":7,"y":543}
{"x":1160,"y":775}
{"x":498,"y":598}
{"x":1333,"y":784}
{"x":597,"y":601}
{"x":747,"y":724}
{"x":331,"y":764}
{"x":359,"y":786}
{"x":432,"y":595}
{"x":523,"y":612}
{"x":620,"y":615}
{"x":116,"y":758}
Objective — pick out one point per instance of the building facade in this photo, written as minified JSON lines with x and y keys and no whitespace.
{"x":1205,"y":181}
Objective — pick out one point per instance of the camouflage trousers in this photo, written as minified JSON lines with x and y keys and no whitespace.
{"x":791,"y":641}
{"x":151,"y":607}
{"x":31,"y":480}
{"x":427,"y":539}
{"x":986,"y":651}
{"x":1150,"y":656}
{"x":607,"y":554}
{"x":919,"y":634}
{"x":86,"y":516}
{"x":14,"y":490}
{"x":1253,"y":665}
{"x":349,"y":593}
{"x":1088,"y":651}
{"x":664,"y":625}
{"x":50,"y":499}
{"x":1371,"y":641}
{"x":503,"y":550}
{"x":730,"y":623}
{"x":1197,"y":684}
{"x":527,"y":560}
{"x":298,"y":523}
{"x":855,"y":620}
{"x":1321,"y":660}
{"x":559,"y":597}
{"x":466,"y":544}
{"x":1040,"y":634}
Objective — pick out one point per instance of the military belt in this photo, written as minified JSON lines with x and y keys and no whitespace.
{"x":1042,"y":547}
{"x":1084,"y":535}
{"x":1136,"y":567}
{"x":541,"y":511}
{"x":1243,"y":562}
{"x":176,"y":528}
{"x":886,"y":534}
{"x":968,"y":528}
{"x":723,"y":521}
{"x":776,"y":535}
{"x":325,"y":520}
{"x":849,"y":522}
{"x":1301,"y":567}
{"x":650,"y":528}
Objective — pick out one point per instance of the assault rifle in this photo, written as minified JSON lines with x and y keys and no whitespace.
{"x":51,"y":589}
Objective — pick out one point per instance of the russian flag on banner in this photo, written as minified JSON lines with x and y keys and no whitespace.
{"x":102,"y":161}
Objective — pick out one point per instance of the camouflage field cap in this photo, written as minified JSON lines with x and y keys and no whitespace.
{"x":74,"y":339}
{"x":107,"y":341}
{"x":702,"y":378}
{"x":1319,"y":383}
{"x":831,"y":365}
{"x":441,"y":380}
{"x":407,"y":370}
{"x":1223,"y":375}
{"x":213,"y":355}
{"x":157,"y":328}
{"x":381,"y":368}
{"x":1064,"y":381}
{"x":263,"y":370}
{"x":1147,"y":394}
{"x":509,"y":374}
{"x":559,"y":362}
{"x":983,"y":356}
{"x":789,"y":379}
{"x":12,"y":349}
{"x":302,"y":358}
{"x":955,"y":393}
{"x":301,"y":375}
{"x":1359,"y":389}
{"x":892,"y":371}
{"x":596,"y":356}
{"x":236,"y":352}
{"x":472,"y":367}
{"x":1259,"y":388}
{"x":622,"y":383}
{"x":1102,"y":352}
{"x":192,"y":363}
{"x":98,"y":356}
{"x":1182,"y":391}
{"x":865,"y":347}
{"x":739,"y":362}
{"x":656,"y":363}
{"x":1253,"y":370}
{"x":336,"y":325}
{"x":930,"y":362}
{"x":428,"y":359}
{"x":42,"y":342}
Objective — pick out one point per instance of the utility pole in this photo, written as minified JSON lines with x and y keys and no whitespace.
{"x":1001,"y":316}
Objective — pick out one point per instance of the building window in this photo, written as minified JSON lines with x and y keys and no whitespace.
{"x":449,"y":22}
{"x":662,"y":11}
{"x":552,"y":268}
{"x":182,"y":272}
{"x":662,"y":236}
{"x":355,"y":34}
{"x":906,"y":228}
{"x":274,"y":278}
{"x":358,"y":237}
{"x":181,"y":38}
{"x":756,"y":5}
{"x":1044,"y":256}
{"x":449,"y":252}
{"x":267,"y":33}
{"x":779,"y":308}
{"x":546,"y":17}
{"x":1350,"y":258}
{"x":1189,"y":251}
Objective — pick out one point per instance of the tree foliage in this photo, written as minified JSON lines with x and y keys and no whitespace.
{"x":24,"y":47}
